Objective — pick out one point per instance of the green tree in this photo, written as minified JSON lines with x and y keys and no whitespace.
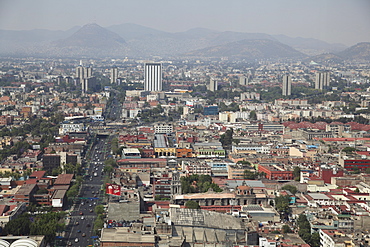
{"x":282,"y":206}
{"x":99,"y":209}
{"x":286,"y":229}
{"x":349,"y":149}
{"x":198,"y":184}
{"x":249,"y":175}
{"x":290,"y":188}
{"x":315,"y":240}
{"x":98,"y":224}
{"x":297,"y":173}
{"x":356,"y":170}
{"x":19,"y":226}
{"x":192,"y":205}
{"x":227,"y":138}
{"x":367,"y":171}
{"x":253,"y":115}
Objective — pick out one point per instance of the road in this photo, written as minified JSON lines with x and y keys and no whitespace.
{"x":81,"y":221}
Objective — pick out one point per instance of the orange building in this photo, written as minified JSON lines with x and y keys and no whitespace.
{"x":184,"y":153}
{"x":276,"y":172}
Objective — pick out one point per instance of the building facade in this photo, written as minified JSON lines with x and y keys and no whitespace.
{"x":322,"y":80}
{"x":153,"y":77}
{"x":113,"y":75}
{"x":287,"y":85}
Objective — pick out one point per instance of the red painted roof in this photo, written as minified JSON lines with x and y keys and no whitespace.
{"x":38,"y":174}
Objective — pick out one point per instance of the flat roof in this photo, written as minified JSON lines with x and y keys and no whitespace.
{"x":121,"y":234}
{"x":59,"y":194}
{"x":160,"y":141}
{"x":205,"y":196}
{"x":26,"y":189}
{"x":64,"y":179}
{"x":131,"y":151}
{"x":318,"y":196}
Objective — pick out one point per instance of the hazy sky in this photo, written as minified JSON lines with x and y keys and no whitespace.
{"x":334,"y":21}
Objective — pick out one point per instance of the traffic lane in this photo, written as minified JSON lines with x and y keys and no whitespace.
{"x":83,"y":230}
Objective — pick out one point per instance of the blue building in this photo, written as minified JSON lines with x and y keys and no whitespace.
{"x":210,"y":110}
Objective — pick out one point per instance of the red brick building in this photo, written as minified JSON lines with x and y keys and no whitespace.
{"x":361,"y":164}
{"x":276,"y":172}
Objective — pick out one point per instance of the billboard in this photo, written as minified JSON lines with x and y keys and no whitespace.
{"x":113,"y":189}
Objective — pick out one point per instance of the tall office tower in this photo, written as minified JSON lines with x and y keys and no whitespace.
{"x":213,"y":85}
{"x":287,"y":85}
{"x":153,"y":77}
{"x":88,"y":83}
{"x":113,"y":75}
{"x":244,"y":80}
{"x":87,"y":72}
{"x":59,"y":80}
{"x":79,"y":72}
{"x":82,"y":74}
{"x":322,"y":80}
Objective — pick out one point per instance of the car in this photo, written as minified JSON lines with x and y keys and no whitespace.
{"x":76,"y":240}
{"x":78,"y":231}
{"x":88,"y":225}
{"x":69,"y":243}
{"x":77,"y":223}
{"x":81,"y":213}
{"x":91,"y":210}
{"x":82,"y":218}
{"x":83,"y":234}
{"x":90,"y":205}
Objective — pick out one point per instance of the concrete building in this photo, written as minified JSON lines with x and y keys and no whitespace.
{"x":153,"y":77}
{"x":113,"y":75}
{"x":287,"y":85}
{"x":322,"y":80}
{"x":243,"y":80}
{"x":83,"y":75}
{"x":213,"y":85}
{"x":163,"y":128}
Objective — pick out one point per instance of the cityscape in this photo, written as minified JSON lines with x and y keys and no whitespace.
{"x":149,"y":134}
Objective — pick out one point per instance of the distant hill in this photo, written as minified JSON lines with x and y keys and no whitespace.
{"x":358,"y":52}
{"x":92,"y":35}
{"x":140,"y":41}
{"x":250,"y":50}
{"x":90,"y":40}
{"x":325,"y":58}
{"x":310,"y":46}
{"x":130,"y":31}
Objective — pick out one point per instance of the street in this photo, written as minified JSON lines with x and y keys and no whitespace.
{"x":80,"y":230}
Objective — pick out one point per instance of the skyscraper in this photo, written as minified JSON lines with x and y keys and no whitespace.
{"x":153,"y":77}
{"x":243,"y":80}
{"x":287,"y":85}
{"x":83,"y":74}
{"x":213,"y":85}
{"x":113,"y":75}
{"x":322,"y":80}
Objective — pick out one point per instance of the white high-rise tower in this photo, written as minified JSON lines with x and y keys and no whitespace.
{"x":153,"y":77}
{"x":113,"y":75}
{"x":287,"y":85}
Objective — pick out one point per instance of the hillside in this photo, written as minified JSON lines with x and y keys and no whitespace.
{"x":250,"y":50}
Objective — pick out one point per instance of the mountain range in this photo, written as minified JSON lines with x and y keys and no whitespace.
{"x":133,"y":40}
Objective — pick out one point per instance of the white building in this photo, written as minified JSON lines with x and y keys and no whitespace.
{"x":163,"y":128}
{"x":153,"y":77}
{"x":113,"y":75}
{"x":287,"y":85}
{"x":71,"y":127}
